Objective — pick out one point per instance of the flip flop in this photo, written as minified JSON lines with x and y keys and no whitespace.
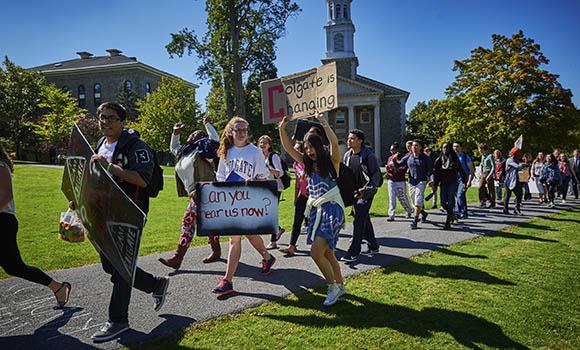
{"x":61,"y":304}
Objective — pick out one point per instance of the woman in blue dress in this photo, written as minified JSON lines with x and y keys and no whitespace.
{"x":325,"y":208}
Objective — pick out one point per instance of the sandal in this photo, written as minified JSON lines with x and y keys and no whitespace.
{"x":289,"y":251}
{"x":60,"y":303}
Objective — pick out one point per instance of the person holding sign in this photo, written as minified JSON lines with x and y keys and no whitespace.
{"x":274,"y":165}
{"x":240,"y":161}
{"x":10,"y":258}
{"x":130,"y":162}
{"x":324,"y":208}
{"x":195,"y":162}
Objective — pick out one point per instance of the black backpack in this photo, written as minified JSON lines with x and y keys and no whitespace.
{"x":156,"y":182}
{"x":285,"y":176}
{"x":345,"y":183}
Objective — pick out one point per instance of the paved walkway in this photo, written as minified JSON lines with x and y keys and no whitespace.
{"x":27,"y":320}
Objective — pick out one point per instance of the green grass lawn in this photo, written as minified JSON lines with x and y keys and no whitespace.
{"x":39,"y":202}
{"x":516,"y":289}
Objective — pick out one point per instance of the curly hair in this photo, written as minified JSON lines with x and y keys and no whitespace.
{"x":6,"y":159}
{"x":227,"y":138}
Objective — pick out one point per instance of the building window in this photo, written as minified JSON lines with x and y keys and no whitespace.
{"x":345,"y":12}
{"x":338,"y":11}
{"x":365,"y":117}
{"x":128,"y":85}
{"x":338,"y":42}
{"x":147,"y":88}
{"x":330,"y":9}
{"x":82,"y":97}
{"x":65,"y":89}
{"x":97,"y":94}
{"x":339,"y":118}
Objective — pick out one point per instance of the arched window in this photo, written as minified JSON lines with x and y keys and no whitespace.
{"x":82,"y":97}
{"x":330,"y":11}
{"x":97,"y":94}
{"x":338,"y":42}
{"x":345,"y":12}
{"x":338,"y":13}
{"x":128,"y":85}
{"x":147,"y":88}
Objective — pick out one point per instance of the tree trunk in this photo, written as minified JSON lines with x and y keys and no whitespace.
{"x":227,"y":76}
{"x":238,"y":87}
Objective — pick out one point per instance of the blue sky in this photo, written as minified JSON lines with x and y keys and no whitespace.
{"x":408,"y":44}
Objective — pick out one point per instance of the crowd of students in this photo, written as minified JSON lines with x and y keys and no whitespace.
{"x":318,"y":198}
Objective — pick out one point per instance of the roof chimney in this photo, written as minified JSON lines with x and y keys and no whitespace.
{"x":84,"y":54}
{"x":113,"y":52}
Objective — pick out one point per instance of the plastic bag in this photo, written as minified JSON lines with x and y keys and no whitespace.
{"x":70,"y":227}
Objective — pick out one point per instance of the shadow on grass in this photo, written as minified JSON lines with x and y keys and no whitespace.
{"x":404,"y":243}
{"x":455,"y":272}
{"x":361,"y":313}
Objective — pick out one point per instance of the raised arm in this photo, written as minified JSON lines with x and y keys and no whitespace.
{"x":334,"y":148}
{"x":287,"y":143}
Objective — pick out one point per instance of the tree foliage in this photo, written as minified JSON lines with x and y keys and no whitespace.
{"x":128,"y":98}
{"x":502,"y":92}
{"x":59,"y":111}
{"x":173,"y":102}
{"x":20,"y":93}
{"x":240,"y":35}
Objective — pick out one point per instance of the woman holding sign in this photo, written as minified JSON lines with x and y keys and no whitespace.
{"x":10,"y":258}
{"x":325,"y":208}
{"x":240,"y":161}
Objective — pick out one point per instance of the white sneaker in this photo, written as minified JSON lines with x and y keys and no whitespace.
{"x":304,"y":229}
{"x":334,"y":292}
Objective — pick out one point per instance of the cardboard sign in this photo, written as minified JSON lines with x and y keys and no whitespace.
{"x":300,"y":95}
{"x":237,"y":208}
{"x":113,"y":221}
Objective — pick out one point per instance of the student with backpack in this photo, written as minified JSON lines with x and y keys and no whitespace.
{"x":274,"y":163}
{"x":195,"y":163}
{"x":131,"y":163}
{"x":467,"y":165}
{"x":367,"y":176}
{"x":325,"y":207}
{"x":512,"y":183}
{"x":551,"y":177}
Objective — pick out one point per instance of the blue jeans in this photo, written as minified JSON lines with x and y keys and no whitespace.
{"x":461,"y":205}
{"x":448,"y":192}
{"x":498,"y":190}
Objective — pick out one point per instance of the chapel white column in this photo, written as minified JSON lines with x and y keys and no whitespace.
{"x":377,"y":131}
{"x":351,"y":117}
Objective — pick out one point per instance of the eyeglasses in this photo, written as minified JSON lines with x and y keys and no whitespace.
{"x":103,"y":118}
{"x":241,"y":130}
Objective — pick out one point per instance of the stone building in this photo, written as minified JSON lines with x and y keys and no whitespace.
{"x":95,"y":79}
{"x":375,"y":108}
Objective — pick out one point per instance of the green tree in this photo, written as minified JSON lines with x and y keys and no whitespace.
{"x":59,"y":112}
{"x":128,"y":98}
{"x":427,"y":122}
{"x":240,"y":33}
{"x":504,"y":91}
{"x":214,"y":103}
{"x":264,"y":71}
{"x":173,"y":102}
{"x":20,"y":93}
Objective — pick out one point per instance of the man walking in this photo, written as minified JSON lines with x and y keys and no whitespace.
{"x":467,"y":164}
{"x":486,"y":181}
{"x":367,"y":175}
{"x":396,"y":183}
{"x":575,"y":168}
{"x":130,"y":162}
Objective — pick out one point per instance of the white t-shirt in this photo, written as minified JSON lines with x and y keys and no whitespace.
{"x":242,"y":164}
{"x":107,"y":150}
{"x":277,"y":162}
{"x":9,"y":207}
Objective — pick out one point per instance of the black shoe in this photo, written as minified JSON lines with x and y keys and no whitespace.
{"x":371,"y":252}
{"x":109,"y":331}
{"x":414,"y":225}
{"x":491,"y":206}
{"x":505,"y":211}
{"x":424,"y":215}
{"x":348,"y":258}
{"x":160,"y":293}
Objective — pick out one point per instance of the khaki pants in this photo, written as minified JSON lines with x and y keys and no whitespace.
{"x":486,"y":189}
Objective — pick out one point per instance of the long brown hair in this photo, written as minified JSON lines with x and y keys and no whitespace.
{"x":323,"y":161}
{"x":227,"y":138}
{"x":6,"y":159}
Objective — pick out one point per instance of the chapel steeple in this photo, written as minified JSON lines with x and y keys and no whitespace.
{"x":340,"y":38}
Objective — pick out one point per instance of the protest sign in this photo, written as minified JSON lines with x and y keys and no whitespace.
{"x":114,"y":223}
{"x":237,"y":208}
{"x":300,"y":95}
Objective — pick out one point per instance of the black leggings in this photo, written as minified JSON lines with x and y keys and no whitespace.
{"x":300,"y":206}
{"x":10,"y":255}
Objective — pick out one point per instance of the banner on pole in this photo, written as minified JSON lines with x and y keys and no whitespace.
{"x":300,"y":95}
{"x":113,"y":221}
{"x":237,"y":208}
